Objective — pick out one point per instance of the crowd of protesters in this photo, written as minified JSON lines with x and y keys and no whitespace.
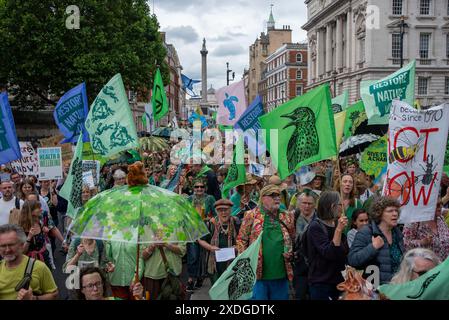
{"x":314,"y":223}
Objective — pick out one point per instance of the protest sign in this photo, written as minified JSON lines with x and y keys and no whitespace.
{"x":374,"y":158}
{"x":53,"y":141}
{"x":49,"y":163}
{"x":27,"y":165}
{"x":88,"y":179}
{"x":415,"y":159}
{"x":94,"y":167}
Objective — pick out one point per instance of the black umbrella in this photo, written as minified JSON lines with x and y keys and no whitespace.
{"x":356,"y":144}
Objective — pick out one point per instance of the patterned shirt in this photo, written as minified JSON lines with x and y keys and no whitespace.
{"x":252,"y":226}
{"x":415,"y":232}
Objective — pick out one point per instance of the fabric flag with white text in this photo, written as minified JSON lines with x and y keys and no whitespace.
{"x":238,"y":280}
{"x":110,"y":122}
{"x":378,"y":95}
{"x":70,"y":114}
{"x":9,"y":145}
{"x":231,"y":103}
{"x":340,"y":102}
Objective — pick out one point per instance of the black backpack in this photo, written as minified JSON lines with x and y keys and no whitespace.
{"x":302,"y":246}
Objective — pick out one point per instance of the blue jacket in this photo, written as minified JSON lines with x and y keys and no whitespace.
{"x":362,"y":253}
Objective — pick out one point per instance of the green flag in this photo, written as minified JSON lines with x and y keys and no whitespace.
{"x":236,"y":172}
{"x":72,"y":188}
{"x":340,"y":102}
{"x":238,"y":280}
{"x":374,"y":158}
{"x":355,"y":115}
{"x":159,"y":99}
{"x":433,"y":285}
{"x":306,"y":131}
{"x":110,"y":122}
{"x":378,"y":95}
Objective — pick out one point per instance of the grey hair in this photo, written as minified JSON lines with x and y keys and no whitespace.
{"x":14,"y":228}
{"x":325,"y":203}
{"x":119,"y":174}
{"x":408,"y":264}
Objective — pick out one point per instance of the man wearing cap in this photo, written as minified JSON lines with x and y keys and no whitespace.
{"x":275,"y":180}
{"x":274,"y":269}
{"x":223,"y":232}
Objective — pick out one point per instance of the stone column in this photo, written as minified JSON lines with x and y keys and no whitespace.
{"x":339,"y":44}
{"x":349,"y":37}
{"x":204,"y":72}
{"x":328,"y":47}
{"x":319,"y":49}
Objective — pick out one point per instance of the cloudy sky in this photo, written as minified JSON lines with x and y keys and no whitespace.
{"x":229,"y":27}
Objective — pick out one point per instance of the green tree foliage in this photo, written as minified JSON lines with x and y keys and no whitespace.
{"x":41,"y":58}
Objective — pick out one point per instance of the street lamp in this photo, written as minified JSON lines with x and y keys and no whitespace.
{"x":228,"y":71}
{"x":402,"y":27}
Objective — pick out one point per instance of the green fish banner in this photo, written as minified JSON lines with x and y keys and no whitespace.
{"x":110,"y":122}
{"x":340,"y":102}
{"x":238,"y":280}
{"x":236,"y":172}
{"x":378,"y":95}
{"x":306,"y":131}
{"x":355,"y":115}
{"x":374,"y":158}
{"x":159,"y":98}
{"x":433,"y":285}
{"x":72,"y":188}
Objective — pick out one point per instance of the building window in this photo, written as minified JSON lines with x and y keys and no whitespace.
{"x":424,"y":7}
{"x":447,"y":45}
{"x":362,"y":50}
{"x":422,"y":85}
{"x":397,"y":7}
{"x":424,"y":41}
{"x":446,"y":85}
{"x":299,"y":57}
{"x":298,"y":74}
{"x":396,"y":48}
{"x":298,"y":90}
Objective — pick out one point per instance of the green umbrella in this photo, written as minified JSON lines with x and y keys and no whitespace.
{"x":139,"y":214}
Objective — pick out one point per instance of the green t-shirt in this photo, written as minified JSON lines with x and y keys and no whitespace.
{"x":42,"y":281}
{"x":349,"y":212}
{"x":272,"y":250}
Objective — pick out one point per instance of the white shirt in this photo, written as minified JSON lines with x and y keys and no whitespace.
{"x":5,"y":209}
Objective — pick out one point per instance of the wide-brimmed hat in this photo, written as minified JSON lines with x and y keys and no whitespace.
{"x":269,"y":190}
{"x":223,"y":203}
{"x":278,"y":182}
{"x":306,"y":178}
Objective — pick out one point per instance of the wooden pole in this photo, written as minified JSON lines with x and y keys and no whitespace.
{"x":341,"y":192}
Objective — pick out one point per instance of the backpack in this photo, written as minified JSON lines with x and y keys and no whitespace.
{"x":302,"y":246}
{"x":172,"y":287}
{"x":100,"y":247}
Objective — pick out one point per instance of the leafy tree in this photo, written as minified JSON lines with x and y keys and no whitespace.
{"x":41,"y":58}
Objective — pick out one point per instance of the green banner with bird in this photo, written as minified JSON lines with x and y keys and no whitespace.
{"x":236,"y":172}
{"x":355,"y":115}
{"x":158,"y":98}
{"x":306,"y":131}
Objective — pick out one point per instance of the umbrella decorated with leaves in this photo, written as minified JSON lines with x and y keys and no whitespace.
{"x":153,"y":144}
{"x":139,"y":214}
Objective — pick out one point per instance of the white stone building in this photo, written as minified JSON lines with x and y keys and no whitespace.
{"x":355,"y":40}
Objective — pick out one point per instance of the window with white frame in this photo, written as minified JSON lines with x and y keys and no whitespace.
{"x":397,"y":7}
{"x":298,"y":74}
{"x":396,"y":48}
{"x":298,"y":90}
{"x":447,"y":45}
{"x":424,"y":45}
{"x":422,"y":85}
{"x":299,"y":57}
{"x":424,"y":7}
{"x":446,"y":85}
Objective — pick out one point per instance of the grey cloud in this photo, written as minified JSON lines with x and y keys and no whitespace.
{"x":185,"y":33}
{"x":230,"y":49}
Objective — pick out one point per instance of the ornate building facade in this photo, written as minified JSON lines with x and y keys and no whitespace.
{"x":354,"y":40}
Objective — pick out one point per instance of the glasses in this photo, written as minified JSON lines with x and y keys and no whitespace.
{"x":8,"y":245}
{"x":274,"y":195}
{"x":199,"y":187}
{"x":91,"y":286}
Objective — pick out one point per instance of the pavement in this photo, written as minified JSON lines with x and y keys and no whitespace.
{"x":203,"y":292}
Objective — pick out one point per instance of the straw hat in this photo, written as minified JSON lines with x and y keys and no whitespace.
{"x":249,"y":180}
{"x":278,"y":182}
{"x":269,"y":190}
